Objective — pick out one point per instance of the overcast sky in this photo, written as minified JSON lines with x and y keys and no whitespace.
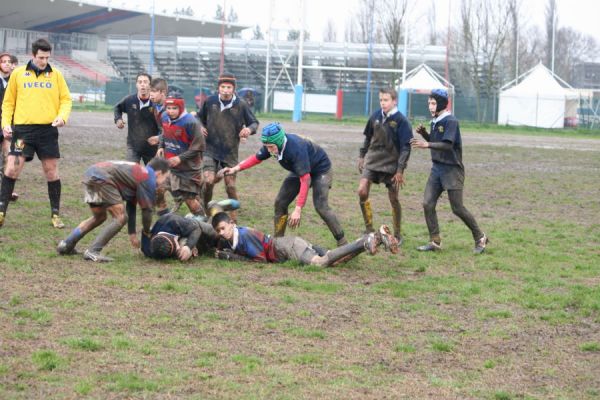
{"x":582,"y":15}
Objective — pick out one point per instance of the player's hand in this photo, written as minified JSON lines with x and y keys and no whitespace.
{"x":204,"y":131}
{"x":7,"y":132}
{"x":153,"y":140}
{"x":120,"y":123}
{"x":58,"y":122}
{"x":160,"y":153}
{"x":418,"y":143}
{"x":223,"y":254}
{"x":174,"y":162}
{"x":135,"y":243}
{"x":294,"y":220}
{"x":184,"y":253}
{"x":226,"y":171}
{"x":398,"y":179}
{"x":361,"y":164}
{"x":244,"y":133}
{"x":421,"y":130}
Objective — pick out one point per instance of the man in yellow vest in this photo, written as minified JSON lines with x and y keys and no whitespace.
{"x":37,"y":102}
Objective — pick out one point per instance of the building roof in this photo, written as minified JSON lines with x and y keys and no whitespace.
{"x":67,"y":16}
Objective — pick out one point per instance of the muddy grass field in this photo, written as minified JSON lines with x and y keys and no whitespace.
{"x":521,"y":321}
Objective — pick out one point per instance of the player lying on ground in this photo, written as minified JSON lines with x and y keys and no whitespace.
{"x":248,"y":244}
{"x":174,"y":236}
{"x":107,"y":184}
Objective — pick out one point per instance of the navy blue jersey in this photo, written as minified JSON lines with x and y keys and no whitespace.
{"x":446,"y":129}
{"x":250,"y":243}
{"x":174,"y":224}
{"x":300,"y":156}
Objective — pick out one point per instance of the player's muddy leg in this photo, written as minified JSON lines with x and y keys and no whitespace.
{"x":119,"y":219}
{"x":364,"y":187}
{"x":208,"y":184}
{"x":231,"y":191}
{"x":456,"y":202}
{"x":433,"y":191}
{"x":321,"y":186}
{"x":67,"y":246}
{"x":287,"y":193}
{"x":348,"y":251}
{"x":396,"y":211}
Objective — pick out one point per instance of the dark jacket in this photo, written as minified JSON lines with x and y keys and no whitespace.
{"x":224,"y":126}
{"x":141,"y":124}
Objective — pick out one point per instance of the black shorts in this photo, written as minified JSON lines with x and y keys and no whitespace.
{"x":28,"y":140}
{"x":379,"y":177}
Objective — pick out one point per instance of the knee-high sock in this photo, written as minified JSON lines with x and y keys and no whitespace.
{"x":54,"y":189}
{"x":105,"y":235}
{"x":8,"y":185}
{"x":280,"y":224}
{"x":367,"y":213}
{"x":346,"y":252}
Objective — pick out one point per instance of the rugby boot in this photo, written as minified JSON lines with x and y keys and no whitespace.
{"x":95,"y":256}
{"x":481,"y":244}
{"x":431,"y":246}
{"x":66,"y":249}
{"x":389,"y":241}
{"x":57,"y":222}
{"x":371,"y":243}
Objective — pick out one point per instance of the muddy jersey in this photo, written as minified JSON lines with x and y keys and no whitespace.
{"x":386,"y":147}
{"x":224,"y":123}
{"x":445,"y":129}
{"x":300,"y":156}
{"x":182,"y":138}
{"x":141,"y":122}
{"x":177,"y":225}
{"x":135,"y":183}
{"x":251,"y":243}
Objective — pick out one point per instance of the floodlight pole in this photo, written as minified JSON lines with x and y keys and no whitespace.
{"x":553,"y":34}
{"x":370,"y":61}
{"x":405,"y":50}
{"x":151,"y":64}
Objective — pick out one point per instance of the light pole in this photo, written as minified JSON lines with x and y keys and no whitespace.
{"x":151,"y":65}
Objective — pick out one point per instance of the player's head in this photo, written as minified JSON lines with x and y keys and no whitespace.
{"x":273,"y":137}
{"x":158,"y":90}
{"x":387,"y":98}
{"x":223,"y":225}
{"x":174,"y":107}
{"x":41,"y":49}
{"x":14,"y":61}
{"x":164,"y":245}
{"x":438,"y":101}
{"x":226,"y":86}
{"x":161,"y":169}
{"x":142,"y":84}
{"x":5,"y":64}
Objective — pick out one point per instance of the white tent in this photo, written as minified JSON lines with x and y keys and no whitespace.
{"x":423,"y":79}
{"x":540,"y":99}
{"x":420,"y":80}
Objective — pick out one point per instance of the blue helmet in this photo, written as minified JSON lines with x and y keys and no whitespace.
{"x":441,"y":98}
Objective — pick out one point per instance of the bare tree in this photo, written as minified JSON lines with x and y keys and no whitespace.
{"x":571,"y":48}
{"x":330,"y":33}
{"x":484,"y":30}
{"x":432,"y":21}
{"x":392,"y":18}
